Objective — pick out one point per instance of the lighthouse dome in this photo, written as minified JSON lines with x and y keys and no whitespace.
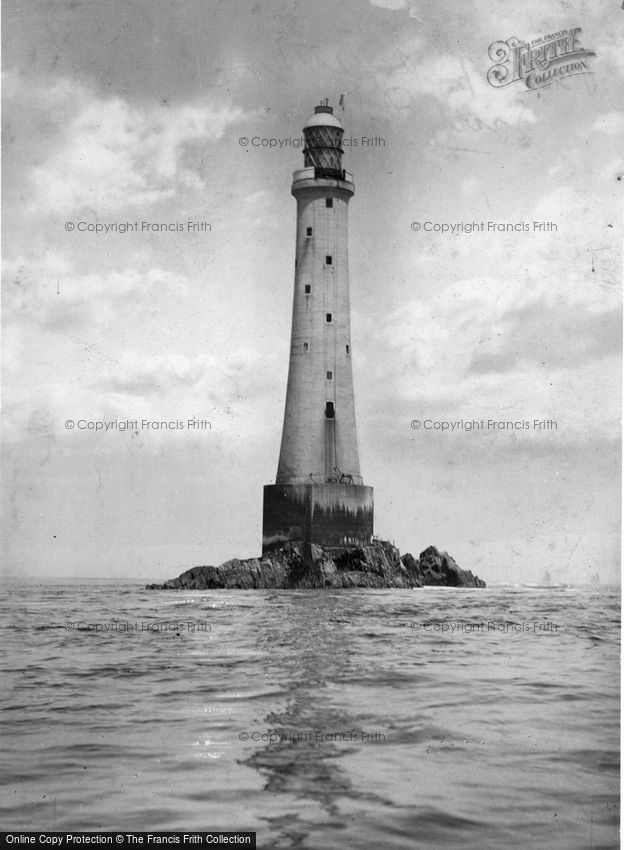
{"x":324,"y":118}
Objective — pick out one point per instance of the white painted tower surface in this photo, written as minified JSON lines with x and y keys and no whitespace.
{"x":319,"y":496}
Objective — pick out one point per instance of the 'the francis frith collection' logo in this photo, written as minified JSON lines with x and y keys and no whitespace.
{"x":539,"y":62}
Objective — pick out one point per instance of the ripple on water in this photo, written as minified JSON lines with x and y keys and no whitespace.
{"x":488,"y":740}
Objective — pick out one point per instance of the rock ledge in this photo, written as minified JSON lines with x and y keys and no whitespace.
{"x":378,"y":565}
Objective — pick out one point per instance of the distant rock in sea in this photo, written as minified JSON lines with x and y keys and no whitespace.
{"x":299,"y":565}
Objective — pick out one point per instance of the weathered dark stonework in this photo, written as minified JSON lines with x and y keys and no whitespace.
{"x":335,"y":517}
{"x":299,"y":565}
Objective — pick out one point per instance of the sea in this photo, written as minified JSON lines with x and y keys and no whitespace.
{"x":426,"y":718}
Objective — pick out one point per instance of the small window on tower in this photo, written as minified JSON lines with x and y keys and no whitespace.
{"x":305,"y":346}
{"x":330,"y":376}
{"x":308,"y":231}
{"x":328,"y":317}
{"x":347,"y":347}
{"x":307,"y":289}
{"x":328,"y":260}
{"x":329,"y":202}
{"x":329,"y":410}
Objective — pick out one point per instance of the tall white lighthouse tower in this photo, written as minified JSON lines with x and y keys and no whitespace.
{"x":319,"y":496}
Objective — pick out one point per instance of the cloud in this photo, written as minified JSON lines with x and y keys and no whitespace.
{"x":470,"y":185}
{"x":613,"y":55}
{"x":141,"y":376}
{"x":65,"y":332}
{"x":389,"y":4}
{"x":134,"y":376}
{"x":610,"y":123}
{"x":108,"y":154}
{"x":139,"y":341}
{"x":533,"y":335}
{"x":467,"y":101}
{"x":540,"y":339}
{"x":483,"y":347}
{"x":47,"y":293}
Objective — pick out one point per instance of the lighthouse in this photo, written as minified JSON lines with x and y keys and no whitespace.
{"x":319,"y":496}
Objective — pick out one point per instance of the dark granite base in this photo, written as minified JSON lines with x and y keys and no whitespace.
{"x":335,"y":517}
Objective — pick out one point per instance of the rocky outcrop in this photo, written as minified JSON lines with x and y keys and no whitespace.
{"x":299,"y":565}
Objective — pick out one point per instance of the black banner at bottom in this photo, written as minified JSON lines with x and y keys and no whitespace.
{"x":197,"y":838}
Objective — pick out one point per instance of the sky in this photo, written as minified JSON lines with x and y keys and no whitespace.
{"x":162,"y":112}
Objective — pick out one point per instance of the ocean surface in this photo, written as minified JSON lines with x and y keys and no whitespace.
{"x":432,"y":718}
